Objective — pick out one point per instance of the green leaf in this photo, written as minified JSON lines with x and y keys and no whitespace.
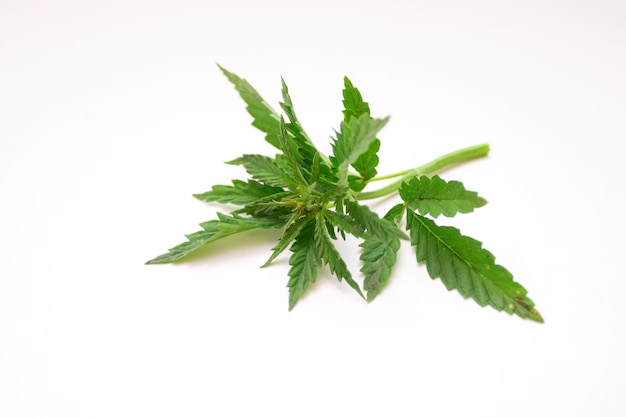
{"x":379,"y":257}
{"x":291,"y":162}
{"x":353,"y":103}
{"x":294,"y":126}
{"x":354,"y":138}
{"x":214,"y":230}
{"x":395,"y":214}
{"x":330,"y":255}
{"x":378,"y":261}
{"x":265,"y":118}
{"x":377,"y":228}
{"x":313,"y":165}
{"x":265,"y":170}
{"x":305,"y":262}
{"x":270,"y":207}
{"x":316,"y":169}
{"x":291,"y":231}
{"x":347,"y":224}
{"x":463,"y":264}
{"x":196,"y":241}
{"x":435,"y":196}
{"x":234,"y":223}
{"x":240,"y":193}
{"x":366,"y":163}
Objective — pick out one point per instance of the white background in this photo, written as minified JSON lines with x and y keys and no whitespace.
{"x":113,"y":113}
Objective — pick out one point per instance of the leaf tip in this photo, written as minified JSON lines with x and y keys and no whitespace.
{"x":536,"y":316}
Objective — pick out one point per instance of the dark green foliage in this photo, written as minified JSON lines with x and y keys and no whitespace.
{"x":316,"y":199}
{"x":463,"y":265}
{"x":434,"y":196}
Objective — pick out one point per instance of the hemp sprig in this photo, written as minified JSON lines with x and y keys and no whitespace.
{"x":315,"y":199}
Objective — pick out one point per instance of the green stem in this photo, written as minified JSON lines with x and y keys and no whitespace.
{"x":452,"y":158}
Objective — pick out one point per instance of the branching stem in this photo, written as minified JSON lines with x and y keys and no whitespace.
{"x":444,"y":161}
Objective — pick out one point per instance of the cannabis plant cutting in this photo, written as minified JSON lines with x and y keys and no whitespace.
{"x":315,"y":199}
